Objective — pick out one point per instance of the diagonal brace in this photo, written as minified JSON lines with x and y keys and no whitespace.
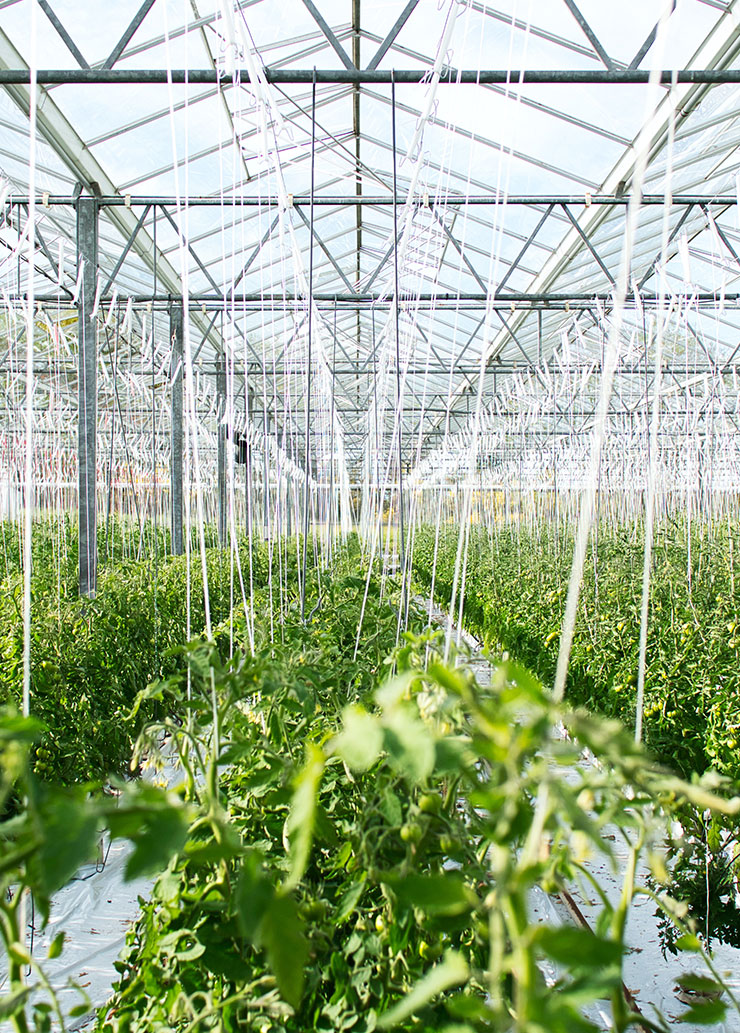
{"x":588,"y":244}
{"x":326,"y":251}
{"x":589,"y":33}
{"x":392,"y":35}
{"x":190,"y":248}
{"x":326,"y":29}
{"x":126,"y":250}
{"x":514,"y":265}
{"x":63,"y":34}
{"x":458,"y":247}
{"x":129,"y":33}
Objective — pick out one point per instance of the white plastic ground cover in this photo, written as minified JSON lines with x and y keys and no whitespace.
{"x":95,"y":909}
{"x":651,"y":976}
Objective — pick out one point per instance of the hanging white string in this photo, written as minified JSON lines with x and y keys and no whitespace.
{"x":30,"y":317}
{"x":611,"y":358}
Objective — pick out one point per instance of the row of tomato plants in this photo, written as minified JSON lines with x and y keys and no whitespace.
{"x":355,"y":840}
{"x":515,"y":583}
{"x":90,"y":657}
{"x":54,"y":552}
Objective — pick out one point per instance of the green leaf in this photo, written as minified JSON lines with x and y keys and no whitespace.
{"x":12,"y":1003}
{"x":16,"y":728}
{"x":79,"y":1009}
{"x":451,"y":971}
{"x":156,"y":824}
{"x":253,"y":894}
{"x":391,"y":693}
{"x":705,"y":1014}
{"x":448,"y":678}
{"x":452,"y":754}
{"x":409,"y":743}
{"x":349,"y":901}
{"x":56,"y":945}
{"x":570,"y":945}
{"x":287,"y":947}
{"x":300,"y":821}
{"x":19,"y":953}
{"x":434,"y":894}
{"x":68,"y":827}
{"x":390,"y":807}
{"x":468,"y":1006}
{"x":688,"y":942}
{"x":193,"y":948}
{"x":701,"y":984}
{"x":361,"y":739}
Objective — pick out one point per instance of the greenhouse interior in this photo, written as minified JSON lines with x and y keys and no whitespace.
{"x":369,"y":491}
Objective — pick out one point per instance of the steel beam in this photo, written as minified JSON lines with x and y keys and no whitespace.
{"x":176,"y":435}
{"x":511,"y":77}
{"x":392,"y":35}
{"x":87,"y":264}
{"x":523,"y":302}
{"x":385,"y":200}
{"x":221,"y":451}
{"x":63,"y":34}
{"x":128,"y":34}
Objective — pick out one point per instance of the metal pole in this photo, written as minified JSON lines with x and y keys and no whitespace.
{"x":266,"y":478}
{"x":471,"y":302}
{"x":355,"y":76}
{"x":87,"y":262}
{"x":307,"y":486}
{"x":176,"y":436}
{"x":399,"y":397}
{"x":221,"y":450}
{"x":420,"y":200}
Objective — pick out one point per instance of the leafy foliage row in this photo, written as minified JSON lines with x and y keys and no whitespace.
{"x":91,"y":657}
{"x":514,"y":597}
{"x":365,"y":839}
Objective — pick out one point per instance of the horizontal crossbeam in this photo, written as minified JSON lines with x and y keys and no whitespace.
{"x":382,"y":200}
{"x":349,"y":302}
{"x":408,"y":76}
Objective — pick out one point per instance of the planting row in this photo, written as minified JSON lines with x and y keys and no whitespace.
{"x":355,"y":840}
{"x":515,"y":583}
{"x":91,"y":657}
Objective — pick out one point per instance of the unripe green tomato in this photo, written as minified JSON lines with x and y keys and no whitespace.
{"x":314,"y":910}
{"x":429,"y":951}
{"x":449,"y":845}
{"x":430,"y":803}
{"x":380,"y":926}
{"x":411,"y":832}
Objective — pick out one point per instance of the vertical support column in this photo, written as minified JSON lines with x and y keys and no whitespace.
{"x":266,"y":478}
{"x":87,"y":398}
{"x":221,"y":450}
{"x":176,"y":435}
